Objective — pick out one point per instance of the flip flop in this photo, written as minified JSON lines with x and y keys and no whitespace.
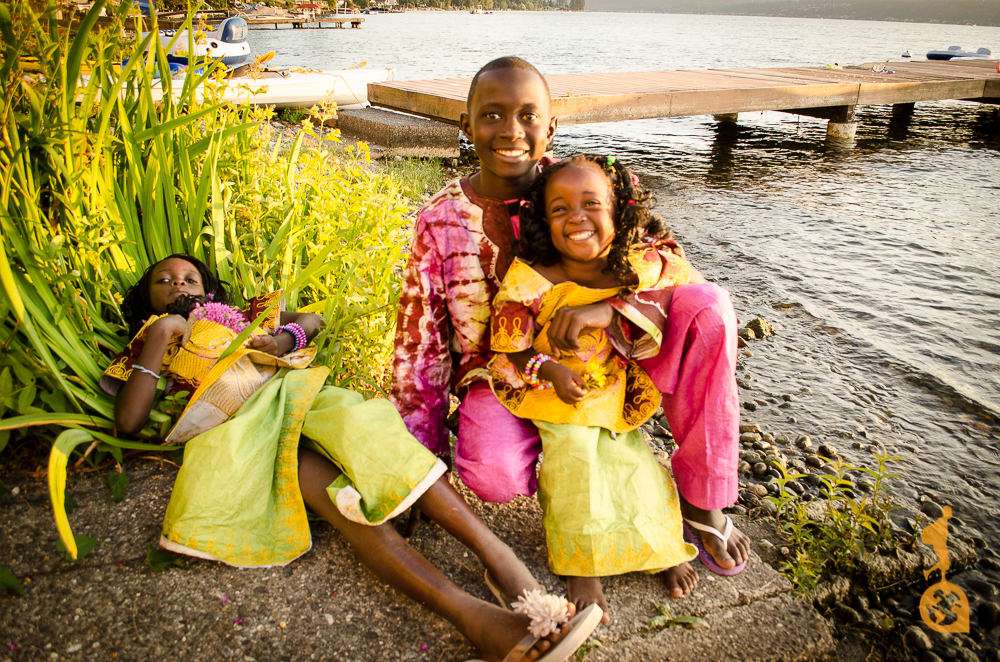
{"x":583,"y":624}
{"x":703,"y":556}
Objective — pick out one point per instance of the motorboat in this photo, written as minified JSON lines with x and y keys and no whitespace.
{"x":957,"y":52}
{"x":227,"y":42}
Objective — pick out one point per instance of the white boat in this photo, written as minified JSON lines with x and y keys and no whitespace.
{"x":227,"y":42}
{"x":302,"y":88}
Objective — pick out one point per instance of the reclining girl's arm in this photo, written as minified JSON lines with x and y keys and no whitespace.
{"x":284,"y":342}
{"x":135,"y":399}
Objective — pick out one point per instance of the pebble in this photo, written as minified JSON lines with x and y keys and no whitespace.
{"x":749,"y":437}
{"x":827,"y":450}
{"x":660,"y":431}
{"x":761,"y":446}
{"x":738,"y":510}
{"x":768,"y":437}
{"x":857,"y":445}
{"x":928,"y":656}
{"x":788,"y":397}
{"x":989,"y":614}
{"x":769,"y":507}
{"x":759,"y":469}
{"x":758,"y":489}
{"x":744,"y":468}
{"x":760,"y":327}
{"x":782,"y":439}
{"x":993,"y":654}
{"x":766,"y":544}
{"x":803,"y":442}
{"x":982,"y":587}
{"x":916,"y":639}
{"x":750,"y":406}
{"x":814,"y":461}
{"x":749,"y":427}
{"x":847,"y":615}
{"x":931,"y":509}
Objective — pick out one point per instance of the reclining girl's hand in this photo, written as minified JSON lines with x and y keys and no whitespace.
{"x":269,"y":344}
{"x":169,"y":326}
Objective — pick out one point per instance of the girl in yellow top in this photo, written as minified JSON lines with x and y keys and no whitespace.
{"x":608,"y":506}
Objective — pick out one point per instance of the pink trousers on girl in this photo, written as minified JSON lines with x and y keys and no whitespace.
{"x":496,"y":452}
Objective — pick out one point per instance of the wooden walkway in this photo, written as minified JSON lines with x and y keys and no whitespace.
{"x":827,"y":93}
{"x":301,"y":23}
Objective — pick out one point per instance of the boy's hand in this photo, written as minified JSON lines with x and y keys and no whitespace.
{"x":169,"y":326}
{"x":568,"y":385}
{"x":567,"y":324}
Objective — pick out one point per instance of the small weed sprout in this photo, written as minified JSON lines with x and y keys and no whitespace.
{"x":848,"y":528}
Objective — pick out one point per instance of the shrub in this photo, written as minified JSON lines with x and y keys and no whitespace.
{"x":107,"y":165}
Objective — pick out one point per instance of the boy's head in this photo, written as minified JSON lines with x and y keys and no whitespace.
{"x":509,"y":121}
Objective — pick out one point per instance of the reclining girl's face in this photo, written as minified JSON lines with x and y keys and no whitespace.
{"x":170,"y":279}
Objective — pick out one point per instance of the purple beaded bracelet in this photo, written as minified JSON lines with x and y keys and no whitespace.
{"x":301,"y":339}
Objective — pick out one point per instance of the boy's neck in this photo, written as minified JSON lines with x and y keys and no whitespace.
{"x":489,"y":185}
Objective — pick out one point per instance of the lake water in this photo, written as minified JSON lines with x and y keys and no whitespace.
{"x":880,"y":265}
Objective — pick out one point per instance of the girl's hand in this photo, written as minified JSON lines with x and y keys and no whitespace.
{"x":568,"y":385}
{"x":169,"y":326}
{"x":269,"y":344}
{"x":568,"y":323}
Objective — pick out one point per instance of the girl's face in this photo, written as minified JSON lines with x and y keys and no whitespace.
{"x":170,"y":279}
{"x":580,"y":209}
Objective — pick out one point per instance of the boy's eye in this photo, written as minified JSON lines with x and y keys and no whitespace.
{"x":491,"y":115}
{"x":530,"y":117}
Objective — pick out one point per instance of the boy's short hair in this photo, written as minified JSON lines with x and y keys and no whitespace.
{"x":501,"y":64}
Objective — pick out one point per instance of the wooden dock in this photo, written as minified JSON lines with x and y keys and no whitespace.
{"x":830,"y":94}
{"x":303,"y":23}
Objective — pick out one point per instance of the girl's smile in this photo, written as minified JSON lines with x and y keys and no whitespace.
{"x":579,"y":209}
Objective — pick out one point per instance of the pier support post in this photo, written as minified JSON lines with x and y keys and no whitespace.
{"x":841,"y":128}
{"x":902,"y":112}
{"x":726,"y":117}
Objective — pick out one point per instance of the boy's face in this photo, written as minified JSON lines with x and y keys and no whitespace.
{"x":510,"y":124}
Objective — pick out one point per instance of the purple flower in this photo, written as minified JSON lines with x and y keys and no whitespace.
{"x":424,"y":646}
{"x":237,"y":620}
{"x":224,"y":599}
{"x":220,"y":313}
{"x":12,"y":645}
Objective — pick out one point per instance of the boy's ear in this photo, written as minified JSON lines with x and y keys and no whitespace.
{"x":465,"y":124}
{"x":553,"y":123}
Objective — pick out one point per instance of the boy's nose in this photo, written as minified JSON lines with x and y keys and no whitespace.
{"x":513,"y":128}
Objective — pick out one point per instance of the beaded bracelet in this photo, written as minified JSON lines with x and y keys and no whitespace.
{"x":136,"y":366}
{"x":301,"y":339}
{"x":531,"y":371}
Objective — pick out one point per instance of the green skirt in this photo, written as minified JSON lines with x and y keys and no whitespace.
{"x":237,"y":499}
{"x":608,"y":506}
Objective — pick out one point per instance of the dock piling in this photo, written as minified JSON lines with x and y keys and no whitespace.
{"x":726,"y":117}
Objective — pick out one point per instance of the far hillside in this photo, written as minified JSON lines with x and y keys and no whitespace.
{"x":968,"y":12}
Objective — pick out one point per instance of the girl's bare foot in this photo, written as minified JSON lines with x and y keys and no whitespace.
{"x":495,"y":632}
{"x":508,"y":573}
{"x":585,"y":591}
{"x":681,"y":579}
{"x":735,"y":552}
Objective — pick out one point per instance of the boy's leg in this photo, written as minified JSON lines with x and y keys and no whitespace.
{"x":695,"y":372}
{"x":491,"y":630}
{"x":496,"y":452}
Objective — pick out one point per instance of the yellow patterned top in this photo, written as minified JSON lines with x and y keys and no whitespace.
{"x":522,"y":311}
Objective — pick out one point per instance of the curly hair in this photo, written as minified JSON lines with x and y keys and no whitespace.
{"x":633,"y":218}
{"x":136,"y":307}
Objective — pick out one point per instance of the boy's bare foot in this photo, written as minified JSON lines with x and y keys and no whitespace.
{"x":585,"y":591}
{"x":680,"y":580}
{"x":738,"y":548}
{"x":495,"y":632}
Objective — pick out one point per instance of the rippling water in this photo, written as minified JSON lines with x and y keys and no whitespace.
{"x":880,"y":264}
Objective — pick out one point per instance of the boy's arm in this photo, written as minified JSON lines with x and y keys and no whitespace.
{"x":422,"y":369}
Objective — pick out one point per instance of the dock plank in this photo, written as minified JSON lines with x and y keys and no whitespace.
{"x":616,"y":96}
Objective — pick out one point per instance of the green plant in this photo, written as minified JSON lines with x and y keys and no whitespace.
{"x":107,"y":166}
{"x":292,"y":115}
{"x":844,"y":529}
{"x":418,"y":177}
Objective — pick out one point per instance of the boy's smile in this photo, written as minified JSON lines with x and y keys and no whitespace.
{"x":510,"y":125}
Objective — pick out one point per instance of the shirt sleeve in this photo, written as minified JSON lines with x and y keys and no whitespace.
{"x":422,"y":370}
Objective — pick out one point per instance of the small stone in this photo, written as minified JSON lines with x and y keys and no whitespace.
{"x":844,"y":434}
{"x":769,"y":507}
{"x":662,"y":432}
{"x":992,"y":654}
{"x":75,"y":648}
{"x":766,"y":544}
{"x":966,"y":655}
{"x":761,"y":446}
{"x":788,"y":397}
{"x":931,"y":509}
{"x":826,"y":450}
{"x":744,"y":468}
{"x":749,"y":436}
{"x":747,"y":334}
{"x":758,"y":489}
{"x":989,"y":614}
{"x":865,"y":486}
{"x":749,"y":427}
{"x":916,"y":640}
{"x":928,"y":656}
{"x":814,"y":461}
{"x":750,"y":406}
{"x":845,"y":614}
{"x":982,"y":587}
{"x":803,"y":442}
{"x":782,"y":439}
{"x":741,"y":342}
{"x":857,"y":445}
{"x":760,"y":327}
{"x":738,"y":510}
{"x":759,"y":469}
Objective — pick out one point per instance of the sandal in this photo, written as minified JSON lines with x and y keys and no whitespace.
{"x":547,"y":614}
{"x":703,"y":556}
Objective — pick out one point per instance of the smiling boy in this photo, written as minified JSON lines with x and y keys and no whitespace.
{"x":463,"y":245}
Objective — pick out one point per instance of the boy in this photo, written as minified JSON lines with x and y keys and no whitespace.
{"x":462,"y":247}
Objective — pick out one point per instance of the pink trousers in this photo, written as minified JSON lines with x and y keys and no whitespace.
{"x":496,"y":452}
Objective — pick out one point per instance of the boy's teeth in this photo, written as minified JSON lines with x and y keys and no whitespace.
{"x":510,"y":152}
